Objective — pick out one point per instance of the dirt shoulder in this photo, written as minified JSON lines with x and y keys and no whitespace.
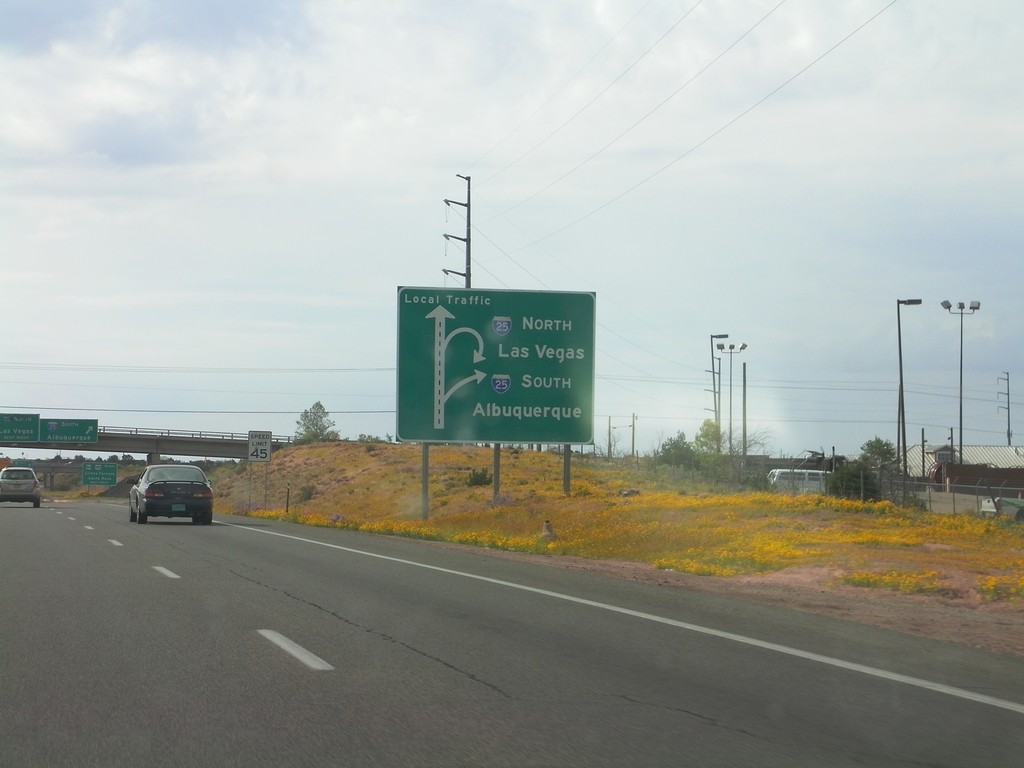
{"x":965,"y":619}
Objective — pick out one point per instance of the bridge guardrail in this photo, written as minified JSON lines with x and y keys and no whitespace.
{"x":186,"y":433}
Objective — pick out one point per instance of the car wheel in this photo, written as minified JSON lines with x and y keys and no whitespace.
{"x":36,"y":503}
{"x":132,"y":517}
{"x":208,"y":518}
{"x":143,"y":518}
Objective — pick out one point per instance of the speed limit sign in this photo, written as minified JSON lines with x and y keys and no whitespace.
{"x":259,"y":446}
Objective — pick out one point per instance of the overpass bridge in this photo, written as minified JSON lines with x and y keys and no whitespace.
{"x":159,"y":442}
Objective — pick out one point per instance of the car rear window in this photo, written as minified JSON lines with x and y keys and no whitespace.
{"x":180,"y":474}
{"x":18,"y":474}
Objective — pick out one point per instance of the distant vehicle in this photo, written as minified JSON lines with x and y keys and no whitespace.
{"x":20,"y":484}
{"x":1003,"y":506}
{"x":171,"y":490}
{"x":798,"y":480}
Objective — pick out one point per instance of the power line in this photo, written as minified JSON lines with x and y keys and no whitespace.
{"x":183,"y":369}
{"x":721,"y":129}
{"x":597,"y":96}
{"x":561,"y":88}
{"x":661,"y":104}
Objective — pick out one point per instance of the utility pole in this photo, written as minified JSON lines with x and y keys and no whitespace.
{"x":1009,"y":433}
{"x":716,"y":389}
{"x":743,"y":463}
{"x":468,"y":239}
{"x":467,"y":276}
{"x":633,"y":436}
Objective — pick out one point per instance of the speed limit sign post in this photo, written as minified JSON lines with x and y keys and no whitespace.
{"x":259,"y":453}
{"x":259,"y":446}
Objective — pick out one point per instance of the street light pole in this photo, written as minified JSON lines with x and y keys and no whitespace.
{"x":732,"y":350}
{"x":901,"y":421}
{"x":973,"y":307}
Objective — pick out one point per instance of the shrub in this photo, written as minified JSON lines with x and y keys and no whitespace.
{"x":479,"y":477}
{"x":854,"y":481}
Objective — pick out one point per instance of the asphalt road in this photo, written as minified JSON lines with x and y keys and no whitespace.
{"x":253,"y":643}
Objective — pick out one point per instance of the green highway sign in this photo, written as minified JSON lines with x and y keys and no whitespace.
{"x":99,"y":473}
{"x":19,"y":427}
{"x":495,"y":366}
{"x":68,"y":431}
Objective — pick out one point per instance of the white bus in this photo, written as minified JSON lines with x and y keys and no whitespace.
{"x":798,"y":480}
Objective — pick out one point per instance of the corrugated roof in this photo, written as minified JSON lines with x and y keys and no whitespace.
{"x":1001,"y":456}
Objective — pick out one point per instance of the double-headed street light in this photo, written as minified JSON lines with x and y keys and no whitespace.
{"x":901,"y":418}
{"x":973,"y":307}
{"x":730,"y":351}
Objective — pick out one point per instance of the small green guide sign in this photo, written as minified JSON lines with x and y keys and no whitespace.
{"x":99,"y":473}
{"x":495,"y":366}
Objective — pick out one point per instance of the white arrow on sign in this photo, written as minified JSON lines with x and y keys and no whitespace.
{"x":440,"y":316}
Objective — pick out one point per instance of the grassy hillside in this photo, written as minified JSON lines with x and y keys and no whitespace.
{"x":373,"y":480}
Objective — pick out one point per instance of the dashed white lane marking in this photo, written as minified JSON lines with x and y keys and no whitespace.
{"x":165,"y":572}
{"x":311,"y":660}
{"x":89,"y":528}
{"x":115,"y":542}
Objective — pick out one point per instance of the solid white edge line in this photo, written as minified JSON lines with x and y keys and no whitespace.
{"x":311,"y":660}
{"x":863,"y":669}
{"x":165,"y":572}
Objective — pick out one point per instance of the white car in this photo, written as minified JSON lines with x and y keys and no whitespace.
{"x":20,"y":484}
{"x":995,"y":507}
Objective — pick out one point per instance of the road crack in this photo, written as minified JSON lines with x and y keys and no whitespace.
{"x":868,"y":757}
{"x":377,"y":633}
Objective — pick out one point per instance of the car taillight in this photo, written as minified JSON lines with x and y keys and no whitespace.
{"x":152,"y":493}
{"x":205,"y":493}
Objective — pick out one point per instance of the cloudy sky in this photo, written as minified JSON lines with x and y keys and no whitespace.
{"x":206,"y":206}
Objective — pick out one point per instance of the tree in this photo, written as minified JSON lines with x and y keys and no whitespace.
{"x":878,"y":452}
{"x":855,"y":480}
{"x":315,"y":425}
{"x":708,"y":441}
{"x":862,"y":478}
{"x":707,"y":446}
{"x":676,"y":452}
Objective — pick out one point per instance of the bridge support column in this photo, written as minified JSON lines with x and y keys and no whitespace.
{"x":152,"y":458}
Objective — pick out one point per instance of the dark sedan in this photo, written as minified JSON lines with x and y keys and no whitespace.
{"x":171,"y":490}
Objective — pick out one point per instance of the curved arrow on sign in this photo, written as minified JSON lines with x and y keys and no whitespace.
{"x":440,"y":316}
